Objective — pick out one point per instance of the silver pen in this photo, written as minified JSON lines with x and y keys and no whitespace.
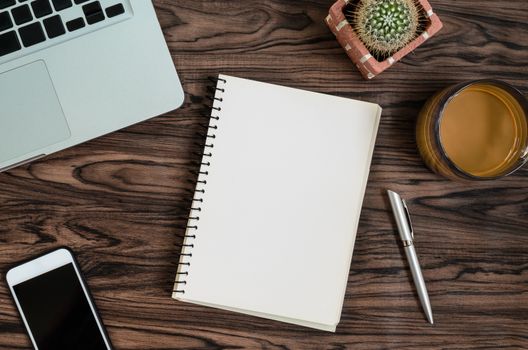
{"x":403,"y":220}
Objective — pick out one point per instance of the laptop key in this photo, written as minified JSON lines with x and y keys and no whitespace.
{"x":21,"y":14}
{"x":115,"y":10}
{"x":6,"y":3}
{"x":61,"y":4}
{"x":31,"y":34}
{"x":75,"y":24}
{"x":54,"y":26}
{"x":5,"y":21}
{"x":41,"y":8}
{"x":93,"y":12}
{"x":9,"y":43}
{"x":77,"y":2}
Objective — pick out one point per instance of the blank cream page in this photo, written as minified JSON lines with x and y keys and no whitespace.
{"x":282,"y":201}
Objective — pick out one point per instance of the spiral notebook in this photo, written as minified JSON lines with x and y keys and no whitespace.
{"x":277,"y":203}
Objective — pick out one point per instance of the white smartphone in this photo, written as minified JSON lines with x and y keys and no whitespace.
{"x":55,"y":304}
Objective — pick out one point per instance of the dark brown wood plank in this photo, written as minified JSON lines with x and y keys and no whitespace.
{"x":120,"y":201}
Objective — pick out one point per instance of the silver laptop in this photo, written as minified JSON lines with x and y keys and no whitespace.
{"x":72,"y":70}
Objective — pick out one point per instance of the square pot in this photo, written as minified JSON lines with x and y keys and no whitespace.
{"x":356,"y":50}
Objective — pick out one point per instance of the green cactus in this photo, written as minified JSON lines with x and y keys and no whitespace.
{"x":385,"y":26}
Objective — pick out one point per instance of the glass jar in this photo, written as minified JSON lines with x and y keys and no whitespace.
{"x":475,"y":130}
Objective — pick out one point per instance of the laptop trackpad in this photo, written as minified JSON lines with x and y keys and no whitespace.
{"x":31,"y":116}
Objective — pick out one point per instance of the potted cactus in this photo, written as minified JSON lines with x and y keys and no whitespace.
{"x":377,"y":33}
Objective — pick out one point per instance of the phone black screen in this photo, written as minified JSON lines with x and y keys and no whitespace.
{"x":58,"y":312}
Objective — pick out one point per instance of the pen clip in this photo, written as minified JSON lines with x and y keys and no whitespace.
{"x":408,"y":217}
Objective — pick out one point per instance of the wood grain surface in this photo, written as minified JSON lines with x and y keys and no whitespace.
{"x":120,"y":201}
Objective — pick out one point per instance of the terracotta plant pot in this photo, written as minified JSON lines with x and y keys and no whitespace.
{"x":356,"y":50}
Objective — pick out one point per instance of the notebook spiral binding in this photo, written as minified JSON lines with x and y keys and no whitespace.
{"x":215,"y":95}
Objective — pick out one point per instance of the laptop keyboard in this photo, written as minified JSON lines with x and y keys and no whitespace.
{"x":26,"y":26}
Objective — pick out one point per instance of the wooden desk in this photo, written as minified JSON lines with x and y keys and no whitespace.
{"x":120,"y":201}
